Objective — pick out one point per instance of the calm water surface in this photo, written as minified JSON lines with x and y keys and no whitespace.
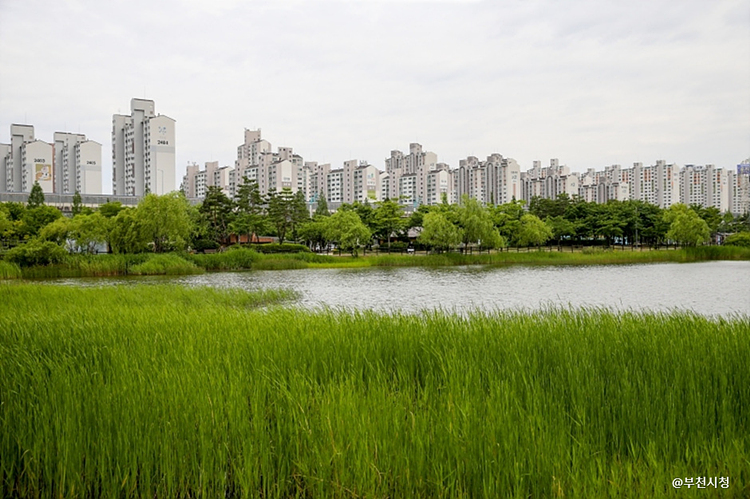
{"x":708,"y":288}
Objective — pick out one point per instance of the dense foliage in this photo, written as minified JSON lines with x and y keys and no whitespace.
{"x":169,"y":223}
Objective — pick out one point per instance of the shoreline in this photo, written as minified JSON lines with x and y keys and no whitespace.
{"x":245,"y":259}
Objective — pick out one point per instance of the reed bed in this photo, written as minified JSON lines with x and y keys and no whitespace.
{"x":9,"y":270}
{"x":159,"y":391}
{"x":168,"y":264}
{"x":247,"y":259}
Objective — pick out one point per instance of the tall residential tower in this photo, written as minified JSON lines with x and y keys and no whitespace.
{"x":143,"y":151}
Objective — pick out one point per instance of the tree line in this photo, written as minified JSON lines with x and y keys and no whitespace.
{"x":170,"y":223}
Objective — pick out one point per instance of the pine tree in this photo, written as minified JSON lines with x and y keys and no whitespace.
{"x":36,"y":196}
{"x":322,"y":208}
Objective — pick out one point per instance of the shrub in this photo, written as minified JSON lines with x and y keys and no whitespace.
{"x":280,"y":248}
{"x":740,"y":239}
{"x":36,"y":252}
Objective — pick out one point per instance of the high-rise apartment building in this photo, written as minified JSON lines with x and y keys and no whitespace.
{"x":739,"y":188}
{"x":496,"y":180}
{"x":19,"y":135}
{"x":549,"y":182}
{"x":408,"y":173}
{"x":143,"y":151}
{"x":6,"y":166}
{"x":72,"y":163}
{"x":37,"y":159}
{"x":705,"y":186}
{"x":78,"y":164}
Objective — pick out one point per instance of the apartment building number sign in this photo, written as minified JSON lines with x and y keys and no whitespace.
{"x":162,"y":131}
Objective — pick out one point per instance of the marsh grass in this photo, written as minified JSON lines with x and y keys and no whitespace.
{"x":247,"y":259}
{"x":9,"y":270}
{"x":166,"y":264}
{"x":163,"y":391}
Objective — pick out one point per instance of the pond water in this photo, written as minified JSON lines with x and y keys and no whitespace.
{"x":707,"y":288}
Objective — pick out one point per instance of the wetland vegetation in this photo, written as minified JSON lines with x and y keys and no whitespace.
{"x":166,"y":391}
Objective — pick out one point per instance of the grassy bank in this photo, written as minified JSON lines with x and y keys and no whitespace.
{"x":168,"y":392}
{"x":243,"y":259}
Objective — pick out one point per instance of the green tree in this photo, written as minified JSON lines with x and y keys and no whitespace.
{"x":59,"y":231}
{"x":248,"y":198}
{"x":416,"y":219}
{"x":438,"y":232}
{"x":36,"y":252}
{"x":561,"y":228}
{"x":165,"y":221}
{"x":90,"y":230}
{"x":37,"y":217}
{"x":36,"y":196}
{"x":322,"y":209}
{"x":299,"y":213}
{"x":250,"y":219}
{"x":76,"y":209}
{"x":127,"y":234}
{"x":686,"y":226}
{"x":12,"y":225}
{"x":507,"y":218}
{"x":315,"y":233}
{"x":110,"y":209}
{"x":346,"y":228}
{"x":533,"y":231}
{"x":6,"y":225}
{"x":739,"y":239}
{"x":711,"y":215}
{"x":388,"y":220}
{"x":280,"y":211}
{"x":477,"y":226}
{"x":218,"y":212}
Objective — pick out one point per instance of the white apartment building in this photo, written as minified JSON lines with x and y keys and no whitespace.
{"x":196,"y":182}
{"x":334,"y":186}
{"x":143,"y":151}
{"x":366,"y":183}
{"x":496,"y":180}
{"x":78,"y":164}
{"x":14,"y":178}
{"x":65,"y":161}
{"x":549,"y":182}
{"x":408,"y":188}
{"x":318,"y":183}
{"x":385,"y":186}
{"x":6,"y":167}
{"x":37,"y":160}
{"x":439,"y":184}
{"x":417,"y":164}
{"x":739,"y":188}
{"x":87,"y":166}
{"x":75,"y":163}
{"x":706,"y":186}
{"x":656,"y":184}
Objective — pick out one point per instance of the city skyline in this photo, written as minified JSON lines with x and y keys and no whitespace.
{"x":590,"y":84}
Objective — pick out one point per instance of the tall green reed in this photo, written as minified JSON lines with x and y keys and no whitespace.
{"x":168,"y":392}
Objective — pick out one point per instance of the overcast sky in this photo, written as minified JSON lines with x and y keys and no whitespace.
{"x":592,"y":83}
